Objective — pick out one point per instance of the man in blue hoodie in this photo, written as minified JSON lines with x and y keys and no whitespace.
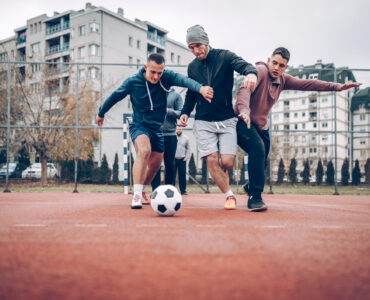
{"x":148,"y":90}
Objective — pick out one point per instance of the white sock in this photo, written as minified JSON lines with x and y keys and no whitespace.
{"x":229,"y":193}
{"x":138,"y":189}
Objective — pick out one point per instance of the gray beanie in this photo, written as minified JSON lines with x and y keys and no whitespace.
{"x":196,"y":34}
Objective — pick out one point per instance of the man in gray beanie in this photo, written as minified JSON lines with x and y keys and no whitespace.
{"x":215,"y":121}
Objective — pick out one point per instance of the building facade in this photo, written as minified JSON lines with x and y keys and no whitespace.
{"x":101,"y":40}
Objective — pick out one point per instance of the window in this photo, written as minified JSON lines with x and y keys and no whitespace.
{"x":313,"y":138}
{"x":35,"y":68}
{"x":303,"y":101}
{"x":286,"y":127}
{"x":324,"y":100}
{"x":325,"y":149}
{"x":325,"y":137}
{"x":303,"y":126}
{"x":82,"y":74}
{"x":172,"y":57}
{"x":286,"y":115}
{"x":362,"y":142}
{"x":314,"y":125}
{"x":295,"y":126}
{"x":276,"y":127}
{"x":362,"y":117}
{"x":35,"y":87}
{"x":324,"y":125}
{"x":296,"y":138}
{"x":130,"y":60}
{"x":138,"y":44}
{"x":81,"y":52}
{"x":295,"y":115}
{"x":94,"y":73}
{"x":3,"y":56}
{"x":303,"y":138}
{"x":178,"y":59}
{"x":303,"y":150}
{"x":130,"y":41}
{"x":94,"y":50}
{"x":94,"y":27}
{"x":313,"y":76}
{"x":35,"y":48}
{"x":81,"y":30}
{"x":138,"y":62}
{"x":303,"y":114}
{"x":31,"y":28}
{"x":276,"y":117}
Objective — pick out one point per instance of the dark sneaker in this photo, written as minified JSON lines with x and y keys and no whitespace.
{"x":246,"y":188}
{"x":255,"y":203}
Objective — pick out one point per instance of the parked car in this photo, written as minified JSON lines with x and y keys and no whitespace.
{"x":14,"y":171}
{"x":34,"y":171}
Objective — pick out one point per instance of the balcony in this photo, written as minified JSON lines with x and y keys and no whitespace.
{"x":57,"y":28}
{"x":156,"y":38}
{"x":312,"y":106}
{"x":21,"y":40}
{"x":57,"y":49}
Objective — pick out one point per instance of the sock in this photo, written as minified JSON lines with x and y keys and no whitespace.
{"x":138,"y":189}
{"x":229,"y":193}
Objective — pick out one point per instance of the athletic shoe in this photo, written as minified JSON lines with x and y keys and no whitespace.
{"x":246,"y":188}
{"x":145,"y":200}
{"x":230,"y":203}
{"x":255,"y":203}
{"x":136,"y":201}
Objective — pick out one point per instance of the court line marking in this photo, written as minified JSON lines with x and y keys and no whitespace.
{"x":30,"y":225}
{"x":91,"y":225}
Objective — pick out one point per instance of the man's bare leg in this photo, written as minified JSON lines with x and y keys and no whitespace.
{"x":154,"y":163}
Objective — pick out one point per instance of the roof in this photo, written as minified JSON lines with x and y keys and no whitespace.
{"x":325,"y":72}
{"x":361,"y":97}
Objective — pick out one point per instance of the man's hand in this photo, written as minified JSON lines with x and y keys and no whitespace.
{"x":185,"y":159}
{"x":206,"y":92}
{"x":99,"y":120}
{"x":250,"y":81}
{"x":184,"y":120}
{"x":347,"y":86}
{"x":246,"y":119}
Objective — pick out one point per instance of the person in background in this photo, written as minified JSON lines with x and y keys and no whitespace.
{"x":183,"y":154}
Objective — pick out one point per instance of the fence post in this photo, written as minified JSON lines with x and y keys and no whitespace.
{"x":335,"y":138}
{"x":76,"y":141}
{"x":270,"y":164}
{"x":246,"y":175}
{"x":8,"y":136}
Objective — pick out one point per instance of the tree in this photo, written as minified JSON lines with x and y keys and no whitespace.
{"x":192,"y":167}
{"x":305,"y":174}
{"x":356,"y":173}
{"x":267,"y":171}
{"x":293,"y":171}
{"x":204,"y":171}
{"x":104,"y":172}
{"x":345,"y":172}
{"x":319,"y":173}
{"x":367,"y":171}
{"x":281,"y":172}
{"x":51,"y":102}
{"x":115,"y":169}
{"x":330,"y":173}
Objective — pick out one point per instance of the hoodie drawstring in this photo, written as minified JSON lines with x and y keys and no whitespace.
{"x":150,"y":96}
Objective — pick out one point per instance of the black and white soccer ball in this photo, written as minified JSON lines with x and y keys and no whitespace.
{"x":166,"y":200}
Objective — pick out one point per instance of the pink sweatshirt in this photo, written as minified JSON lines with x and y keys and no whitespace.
{"x":257,"y":104}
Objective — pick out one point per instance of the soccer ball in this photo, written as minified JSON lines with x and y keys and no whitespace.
{"x":166,"y":200}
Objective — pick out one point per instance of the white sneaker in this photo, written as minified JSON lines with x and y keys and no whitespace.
{"x":136,"y":201}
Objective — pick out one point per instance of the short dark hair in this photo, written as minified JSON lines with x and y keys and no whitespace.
{"x":284,"y":52}
{"x":156,"y":57}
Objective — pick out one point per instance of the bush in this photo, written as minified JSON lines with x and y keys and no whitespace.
{"x":345,"y":172}
{"x":115,"y":169}
{"x":105,"y":172}
{"x":367,"y":171}
{"x":281,"y":172}
{"x":356,"y":174}
{"x":293,"y":171}
{"x":319,"y":173}
{"x":204,"y":171}
{"x":330,"y":173}
{"x":305,"y":174}
{"x":192,"y":167}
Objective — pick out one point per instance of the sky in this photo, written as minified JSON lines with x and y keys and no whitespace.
{"x":335,"y":31}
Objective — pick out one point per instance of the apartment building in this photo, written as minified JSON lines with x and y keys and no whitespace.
{"x":93,"y":36}
{"x":298,"y":117}
{"x":360,"y":108}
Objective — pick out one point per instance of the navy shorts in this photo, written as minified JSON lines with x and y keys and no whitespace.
{"x":155,"y":136}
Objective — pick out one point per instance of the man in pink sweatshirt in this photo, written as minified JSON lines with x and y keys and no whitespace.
{"x":253,"y":107}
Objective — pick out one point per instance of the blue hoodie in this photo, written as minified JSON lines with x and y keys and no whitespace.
{"x":149,"y":101}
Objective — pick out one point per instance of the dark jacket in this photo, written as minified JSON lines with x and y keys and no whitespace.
{"x":217,"y":71}
{"x":174,"y":106}
{"x":149,"y":109}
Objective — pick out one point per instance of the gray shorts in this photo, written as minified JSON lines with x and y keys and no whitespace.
{"x":216,"y":136}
